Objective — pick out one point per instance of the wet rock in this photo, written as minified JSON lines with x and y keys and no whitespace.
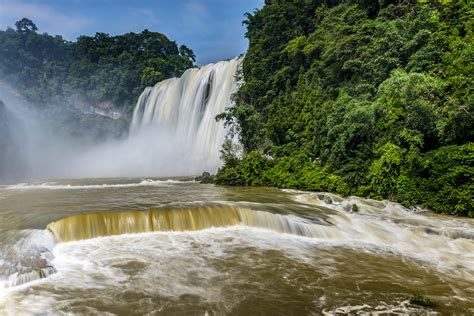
{"x":206,"y":177}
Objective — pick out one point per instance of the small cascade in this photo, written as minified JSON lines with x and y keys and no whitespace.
{"x":86,"y":226}
{"x":388,"y":225}
{"x":26,"y":277}
{"x":183,"y":110}
{"x":28,"y":259}
{"x":380,"y":225}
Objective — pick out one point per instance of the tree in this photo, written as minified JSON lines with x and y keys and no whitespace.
{"x":187,"y":53}
{"x":375,"y":95}
{"x":25,"y":25}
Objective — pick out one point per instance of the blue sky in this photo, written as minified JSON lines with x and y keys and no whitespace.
{"x":212,"y":28}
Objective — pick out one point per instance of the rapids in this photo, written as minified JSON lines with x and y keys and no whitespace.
{"x":134,"y":245}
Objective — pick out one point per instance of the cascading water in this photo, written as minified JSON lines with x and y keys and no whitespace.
{"x":86,"y":226}
{"x":173,"y":132}
{"x":131,"y":245}
{"x":148,"y":246}
{"x":184,"y":110}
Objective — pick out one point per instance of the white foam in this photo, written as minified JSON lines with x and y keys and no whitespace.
{"x":402,"y":308}
{"x":26,"y":259}
{"x":56,"y":186}
{"x":174,"y":264}
{"x":444,"y":242}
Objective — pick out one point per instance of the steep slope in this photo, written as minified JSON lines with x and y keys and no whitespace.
{"x":359,"y":97}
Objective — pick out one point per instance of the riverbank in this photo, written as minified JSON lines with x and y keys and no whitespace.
{"x":359,"y":98}
{"x":443,"y":183}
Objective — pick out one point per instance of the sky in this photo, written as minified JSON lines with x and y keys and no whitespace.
{"x":211,"y":28}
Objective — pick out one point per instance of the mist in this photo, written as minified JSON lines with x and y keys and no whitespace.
{"x":173,"y":133}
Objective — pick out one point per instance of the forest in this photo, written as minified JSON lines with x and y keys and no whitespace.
{"x":356,"y":97}
{"x":52,"y":73}
{"x":360,"y":97}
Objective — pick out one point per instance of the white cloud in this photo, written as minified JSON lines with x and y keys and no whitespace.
{"x":46,"y":18}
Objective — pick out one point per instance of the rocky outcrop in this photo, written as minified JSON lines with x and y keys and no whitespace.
{"x":206,"y":177}
{"x":106,"y":109}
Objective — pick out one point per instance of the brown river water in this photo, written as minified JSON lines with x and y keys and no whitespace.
{"x":149,"y":246}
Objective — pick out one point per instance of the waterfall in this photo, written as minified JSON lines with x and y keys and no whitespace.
{"x":92,"y":225}
{"x":183,"y":111}
{"x":173,"y":133}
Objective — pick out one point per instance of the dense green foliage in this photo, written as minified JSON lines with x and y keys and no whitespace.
{"x":373,"y":98}
{"x":421,"y":300}
{"x":48,"y":69}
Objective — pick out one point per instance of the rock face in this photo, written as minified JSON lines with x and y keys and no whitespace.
{"x":107,"y":109}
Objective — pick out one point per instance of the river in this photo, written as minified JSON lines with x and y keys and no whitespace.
{"x":159,"y":246}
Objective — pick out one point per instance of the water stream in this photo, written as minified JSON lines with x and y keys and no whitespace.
{"x":137,"y":245}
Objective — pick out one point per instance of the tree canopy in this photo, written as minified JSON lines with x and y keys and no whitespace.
{"x":25,"y":25}
{"x":49,"y":69}
{"x":372,"y":98}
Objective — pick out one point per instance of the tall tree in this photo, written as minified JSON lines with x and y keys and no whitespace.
{"x":25,"y":25}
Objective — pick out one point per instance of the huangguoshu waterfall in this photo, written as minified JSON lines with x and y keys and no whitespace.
{"x":173,"y":133}
{"x":183,"y":110}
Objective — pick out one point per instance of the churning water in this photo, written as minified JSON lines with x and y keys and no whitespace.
{"x":174,"y":246}
{"x":125,"y":246}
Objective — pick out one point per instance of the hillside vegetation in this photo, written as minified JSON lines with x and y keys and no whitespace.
{"x":368,"y":98}
{"x":69,"y":83}
{"x":101,"y":68}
